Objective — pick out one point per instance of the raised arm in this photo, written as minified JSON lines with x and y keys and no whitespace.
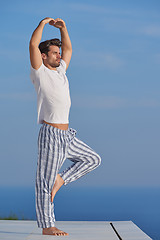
{"x":65,"y":39}
{"x":35,"y":54}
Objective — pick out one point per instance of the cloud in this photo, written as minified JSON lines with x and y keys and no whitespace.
{"x":90,"y":8}
{"x":38,"y":9}
{"x":152,"y":30}
{"x":97,"y":59}
{"x":117,"y":10}
{"x":117,"y":19}
{"x":25,"y":96}
{"x":112,"y":61}
{"x":147,"y":103}
{"x":16,"y":55}
{"x":90,"y":102}
{"x":98,"y":102}
{"x":112,"y":102}
{"x":157,"y":58}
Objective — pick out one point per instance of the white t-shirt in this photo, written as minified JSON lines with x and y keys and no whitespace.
{"x":53,"y":97}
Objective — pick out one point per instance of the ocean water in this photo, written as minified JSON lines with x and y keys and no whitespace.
{"x":140,"y":205}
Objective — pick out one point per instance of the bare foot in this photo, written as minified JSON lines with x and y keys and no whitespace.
{"x":57,"y":185}
{"x":53,"y":231}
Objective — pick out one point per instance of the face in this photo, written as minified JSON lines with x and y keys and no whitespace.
{"x":53,"y":58}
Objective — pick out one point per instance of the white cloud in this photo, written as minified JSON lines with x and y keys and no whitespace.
{"x":97,"y":59}
{"x":152,"y":30}
{"x":25,"y":96}
{"x":38,"y":8}
{"x":112,"y":102}
{"x":98,"y":102}
{"x":112,"y":61}
{"x":116,"y":10}
{"x":157,"y":58}
{"x":90,"y":8}
{"x":147,"y":103}
{"x":16,"y":55}
{"x":90,"y":102}
{"x":119,"y":20}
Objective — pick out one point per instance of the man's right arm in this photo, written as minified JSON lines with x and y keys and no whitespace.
{"x":35,"y":54}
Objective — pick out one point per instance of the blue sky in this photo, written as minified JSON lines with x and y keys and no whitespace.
{"x":114,"y":83}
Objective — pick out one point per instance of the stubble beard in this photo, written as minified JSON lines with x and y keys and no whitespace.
{"x":55,"y":65}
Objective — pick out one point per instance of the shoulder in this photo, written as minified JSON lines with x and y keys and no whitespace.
{"x":36,"y":73}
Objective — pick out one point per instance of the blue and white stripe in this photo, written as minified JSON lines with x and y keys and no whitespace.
{"x":54,"y":146}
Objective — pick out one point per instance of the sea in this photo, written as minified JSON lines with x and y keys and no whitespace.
{"x":140,"y":205}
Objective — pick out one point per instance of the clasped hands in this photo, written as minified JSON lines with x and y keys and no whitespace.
{"x":58,"y":22}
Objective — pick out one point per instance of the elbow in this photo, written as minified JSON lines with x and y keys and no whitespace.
{"x":70,"y":50}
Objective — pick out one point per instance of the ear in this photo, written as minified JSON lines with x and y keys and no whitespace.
{"x":44,"y":56}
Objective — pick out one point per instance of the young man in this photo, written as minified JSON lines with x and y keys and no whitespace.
{"x":56,"y":140}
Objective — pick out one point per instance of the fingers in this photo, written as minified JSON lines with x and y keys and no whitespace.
{"x":47,"y":20}
{"x":58,"y":19}
{"x":58,"y":22}
{"x":52,"y":22}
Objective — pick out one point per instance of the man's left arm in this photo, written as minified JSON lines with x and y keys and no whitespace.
{"x":65,"y":39}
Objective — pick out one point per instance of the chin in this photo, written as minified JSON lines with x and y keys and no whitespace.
{"x":55,"y":65}
{"x":58,"y":64}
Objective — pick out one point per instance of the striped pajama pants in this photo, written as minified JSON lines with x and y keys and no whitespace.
{"x":54,"y":146}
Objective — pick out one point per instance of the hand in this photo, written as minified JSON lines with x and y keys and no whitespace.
{"x":47,"y":20}
{"x":58,"y":23}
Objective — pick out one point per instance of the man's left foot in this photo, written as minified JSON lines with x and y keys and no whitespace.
{"x":53,"y":231}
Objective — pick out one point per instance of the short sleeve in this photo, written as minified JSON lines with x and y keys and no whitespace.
{"x":62,"y":67}
{"x":35,"y":74}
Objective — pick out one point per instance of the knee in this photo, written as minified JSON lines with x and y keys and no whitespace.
{"x":97,"y":160}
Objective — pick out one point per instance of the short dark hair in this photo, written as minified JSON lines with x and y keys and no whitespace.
{"x":44,"y":46}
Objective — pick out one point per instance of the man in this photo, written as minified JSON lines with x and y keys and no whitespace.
{"x":56,"y":140}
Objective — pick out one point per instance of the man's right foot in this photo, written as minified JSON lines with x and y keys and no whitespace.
{"x":53,"y":231}
{"x":57,"y":185}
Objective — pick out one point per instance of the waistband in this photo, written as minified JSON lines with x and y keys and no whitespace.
{"x":60,"y":131}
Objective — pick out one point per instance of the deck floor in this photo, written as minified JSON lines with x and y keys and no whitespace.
{"x":78,"y":230}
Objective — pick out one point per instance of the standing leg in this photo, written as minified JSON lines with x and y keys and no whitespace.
{"x":85,"y":160}
{"x":50,"y":158}
{"x":47,"y":164}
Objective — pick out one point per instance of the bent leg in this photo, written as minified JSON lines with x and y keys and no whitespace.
{"x":85,"y":160}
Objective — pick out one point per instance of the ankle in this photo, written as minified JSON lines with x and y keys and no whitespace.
{"x":50,"y":228}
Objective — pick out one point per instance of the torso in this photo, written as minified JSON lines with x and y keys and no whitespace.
{"x":58,"y":125}
{"x":53,"y":96}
